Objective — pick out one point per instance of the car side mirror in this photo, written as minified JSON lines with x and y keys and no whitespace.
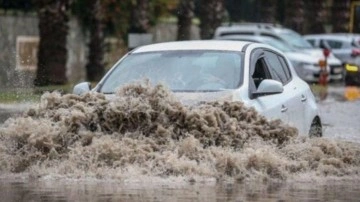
{"x":268,"y":87}
{"x":82,"y":88}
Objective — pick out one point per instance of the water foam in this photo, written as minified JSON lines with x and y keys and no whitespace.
{"x":145,"y":132}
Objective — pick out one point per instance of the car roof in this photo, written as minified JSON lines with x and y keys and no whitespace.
{"x":340,"y":37}
{"x":194,"y":45}
{"x":250,"y":28}
{"x":244,"y":37}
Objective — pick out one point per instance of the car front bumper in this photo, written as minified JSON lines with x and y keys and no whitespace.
{"x":336,"y":72}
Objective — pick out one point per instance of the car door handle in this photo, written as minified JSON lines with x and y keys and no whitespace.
{"x":303,"y":98}
{"x":283,"y":108}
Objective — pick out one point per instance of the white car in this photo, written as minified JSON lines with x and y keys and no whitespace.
{"x":306,"y":65}
{"x":344,"y":46}
{"x":286,"y":35}
{"x":256,"y":74}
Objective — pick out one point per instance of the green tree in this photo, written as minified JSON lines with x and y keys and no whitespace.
{"x":185,"y":14}
{"x":341,"y":15}
{"x":99,"y":18}
{"x":315,"y":16}
{"x":53,"y":29}
{"x":140,"y":17}
{"x":294,"y":15}
{"x":211,"y":14}
{"x":268,"y":10}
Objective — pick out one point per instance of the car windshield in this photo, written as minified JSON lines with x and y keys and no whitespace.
{"x":295,"y":39}
{"x":279,"y":45}
{"x":179,"y":70}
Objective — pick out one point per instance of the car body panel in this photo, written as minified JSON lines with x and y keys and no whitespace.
{"x":352,"y":72}
{"x":306,"y":64}
{"x":341,"y":45}
{"x":192,"y":45}
{"x":298,"y":114}
{"x":269,"y":30}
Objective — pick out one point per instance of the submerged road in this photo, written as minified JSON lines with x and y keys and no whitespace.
{"x":341,"y":118}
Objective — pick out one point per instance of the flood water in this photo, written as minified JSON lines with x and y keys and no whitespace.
{"x":70,"y":190}
{"x":145,"y":146}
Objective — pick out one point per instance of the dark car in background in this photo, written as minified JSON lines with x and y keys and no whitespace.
{"x":352,"y":72}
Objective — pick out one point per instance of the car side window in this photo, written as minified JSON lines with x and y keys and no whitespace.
{"x":271,"y":35}
{"x":311,"y":41}
{"x":286,"y":68}
{"x":276,"y":67}
{"x":261,"y":72}
{"x":334,"y":44}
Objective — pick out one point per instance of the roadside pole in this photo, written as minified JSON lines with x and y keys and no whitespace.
{"x":323,"y":77}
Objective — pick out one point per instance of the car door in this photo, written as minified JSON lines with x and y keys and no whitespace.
{"x":292,"y":97}
{"x":271,"y":106}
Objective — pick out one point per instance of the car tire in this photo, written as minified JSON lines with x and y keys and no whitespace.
{"x":315,"y":128}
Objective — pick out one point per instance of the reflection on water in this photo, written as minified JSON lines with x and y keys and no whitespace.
{"x":53,"y":190}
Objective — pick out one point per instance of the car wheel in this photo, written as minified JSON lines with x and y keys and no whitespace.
{"x":316,"y":128}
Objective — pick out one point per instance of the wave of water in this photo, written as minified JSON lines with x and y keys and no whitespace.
{"x":145,"y":133}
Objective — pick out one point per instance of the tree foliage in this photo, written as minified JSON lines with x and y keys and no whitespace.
{"x":268,"y":10}
{"x":315,"y":16}
{"x":294,"y":15}
{"x":118,"y":13}
{"x":22,"y":5}
{"x":341,"y":15}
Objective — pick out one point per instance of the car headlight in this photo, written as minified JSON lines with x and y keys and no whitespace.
{"x":351,"y":68}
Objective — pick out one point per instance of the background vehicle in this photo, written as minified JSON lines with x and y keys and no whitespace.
{"x":306,"y":65}
{"x":288,"y":36}
{"x":343,"y":46}
{"x":256,"y":74}
{"x":346,"y":47}
{"x":352,"y":72}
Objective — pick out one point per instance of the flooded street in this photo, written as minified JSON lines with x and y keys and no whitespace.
{"x":58,"y":153}
{"x":18,"y":190}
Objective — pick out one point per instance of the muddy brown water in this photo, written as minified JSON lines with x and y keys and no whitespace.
{"x":70,"y":190}
{"x":144,"y":145}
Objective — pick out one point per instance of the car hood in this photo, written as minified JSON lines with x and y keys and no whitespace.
{"x":302,"y":57}
{"x":318,"y":53}
{"x":192,"y":98}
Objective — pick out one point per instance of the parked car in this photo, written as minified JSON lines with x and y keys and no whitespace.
{"x":256,"y":74}
{"x":306,"y":66}
{"x":286,"y":35}
{"x":343,"y":46}
{"x":346,"y":47}
{"x":352,"y":74}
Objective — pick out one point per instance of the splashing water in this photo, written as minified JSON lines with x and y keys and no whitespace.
{"x":145,"y":132}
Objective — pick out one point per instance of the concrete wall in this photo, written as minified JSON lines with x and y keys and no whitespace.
{"x":168,"y":32}
{"x":10,"y":28}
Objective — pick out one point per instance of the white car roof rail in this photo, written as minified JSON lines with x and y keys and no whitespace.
{"x":255,"y":24}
